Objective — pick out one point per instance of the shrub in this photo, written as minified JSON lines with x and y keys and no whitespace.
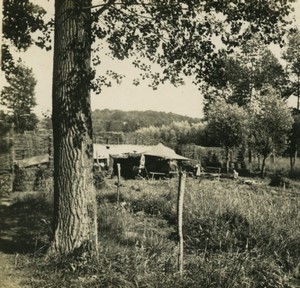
{"x":111,"y":222}
{"x":20,"y":180}
{"x":99,"y":181}
{"x":43,"y":179}
{"x":5,"y":184}
{"x":294,"y":174}
{"x":278,"y":179}
{"x":155,"y":205}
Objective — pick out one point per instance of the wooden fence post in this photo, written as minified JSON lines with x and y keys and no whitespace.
{"x":13,"y":155}
{"x":181,"y":190}
{"x":118,"y":184}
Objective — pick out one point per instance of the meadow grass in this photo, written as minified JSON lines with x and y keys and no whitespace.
{"x":280,"y":165}
{"x":236,"y":235}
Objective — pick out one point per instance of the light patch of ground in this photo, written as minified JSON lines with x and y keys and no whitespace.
{"x":9,"y":276}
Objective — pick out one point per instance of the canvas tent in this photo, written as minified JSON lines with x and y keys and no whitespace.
{"x":137,"y":158}
{"x":118,"y":151}
{"x":127,"y":155}
{"x":164,"y":152}
{"x":162,"y":161}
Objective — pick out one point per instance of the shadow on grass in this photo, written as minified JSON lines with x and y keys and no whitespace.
{"x":25,"y":226}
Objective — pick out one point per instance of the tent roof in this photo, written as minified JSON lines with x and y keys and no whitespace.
{"x":164,"y":152}
{"x":102,"y":151}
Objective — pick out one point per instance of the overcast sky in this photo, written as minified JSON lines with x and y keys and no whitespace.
{"x":185,"y":99}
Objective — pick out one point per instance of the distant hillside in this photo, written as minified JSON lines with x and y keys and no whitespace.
{"x":129,"y":121}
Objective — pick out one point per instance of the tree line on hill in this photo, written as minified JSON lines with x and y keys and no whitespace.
{"x":122,"y":121}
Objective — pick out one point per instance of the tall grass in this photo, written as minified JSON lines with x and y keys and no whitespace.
{"x":282,"y":165}
{"x":236,"y":218}
{"x":235,"y":236}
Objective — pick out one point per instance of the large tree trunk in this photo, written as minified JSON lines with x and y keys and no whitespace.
{"x":75,"y":211}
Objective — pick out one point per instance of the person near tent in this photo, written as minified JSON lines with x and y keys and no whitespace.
{"x":198,"y":169}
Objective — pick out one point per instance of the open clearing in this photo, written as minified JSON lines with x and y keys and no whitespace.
{"x":236,"y":235}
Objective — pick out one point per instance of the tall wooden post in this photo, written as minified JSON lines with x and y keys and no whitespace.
{"x":181,"y":190}
{"x":118,"y":184}
{"x":12,"y":155}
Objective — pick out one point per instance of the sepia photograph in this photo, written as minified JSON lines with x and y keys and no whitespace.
{"x":150,"y":143}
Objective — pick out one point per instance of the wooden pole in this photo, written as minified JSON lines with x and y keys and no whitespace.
{"x":13,"y":155}
{"x":181,"y":190}
{"x":118,"y":184}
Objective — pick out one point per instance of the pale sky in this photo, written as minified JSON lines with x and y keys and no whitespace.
{"x":184,"y":100}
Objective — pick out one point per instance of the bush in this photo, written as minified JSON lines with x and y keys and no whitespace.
{"x":294,"y":174}
{"x":278,"y":179}
{"x":5,"y":184}
{"x":99,"y":181}
{"x":111,"y":224}
{"x":155,"y":205}
{"x":43,"y":179}
{"x":20,"y":180}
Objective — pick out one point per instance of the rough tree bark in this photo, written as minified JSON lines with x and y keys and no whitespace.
{"x":75,"y":211}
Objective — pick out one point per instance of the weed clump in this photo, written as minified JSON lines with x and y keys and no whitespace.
{"x":279,"y":179}
{"x":228,"y":232}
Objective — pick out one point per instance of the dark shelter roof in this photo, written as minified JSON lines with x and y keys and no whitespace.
{"x":164,"y":152}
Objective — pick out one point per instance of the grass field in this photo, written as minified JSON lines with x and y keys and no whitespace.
{"x":236,"y":235}
{"x":280,"y":164}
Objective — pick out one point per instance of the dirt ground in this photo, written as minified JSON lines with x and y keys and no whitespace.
{"x":10,"y":277}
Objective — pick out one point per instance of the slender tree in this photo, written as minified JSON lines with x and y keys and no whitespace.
{"x":5,"y":127}
{"x":292,"y":55}
{"x":227,"y":125}
{"x":294,"y":139}
{"x":19,"y":96}
{"x":270,"y":125}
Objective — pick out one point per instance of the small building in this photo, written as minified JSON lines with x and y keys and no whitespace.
{"x":162,"y":161}
{"x":128,"y":156}
{"x":142,"y":160}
